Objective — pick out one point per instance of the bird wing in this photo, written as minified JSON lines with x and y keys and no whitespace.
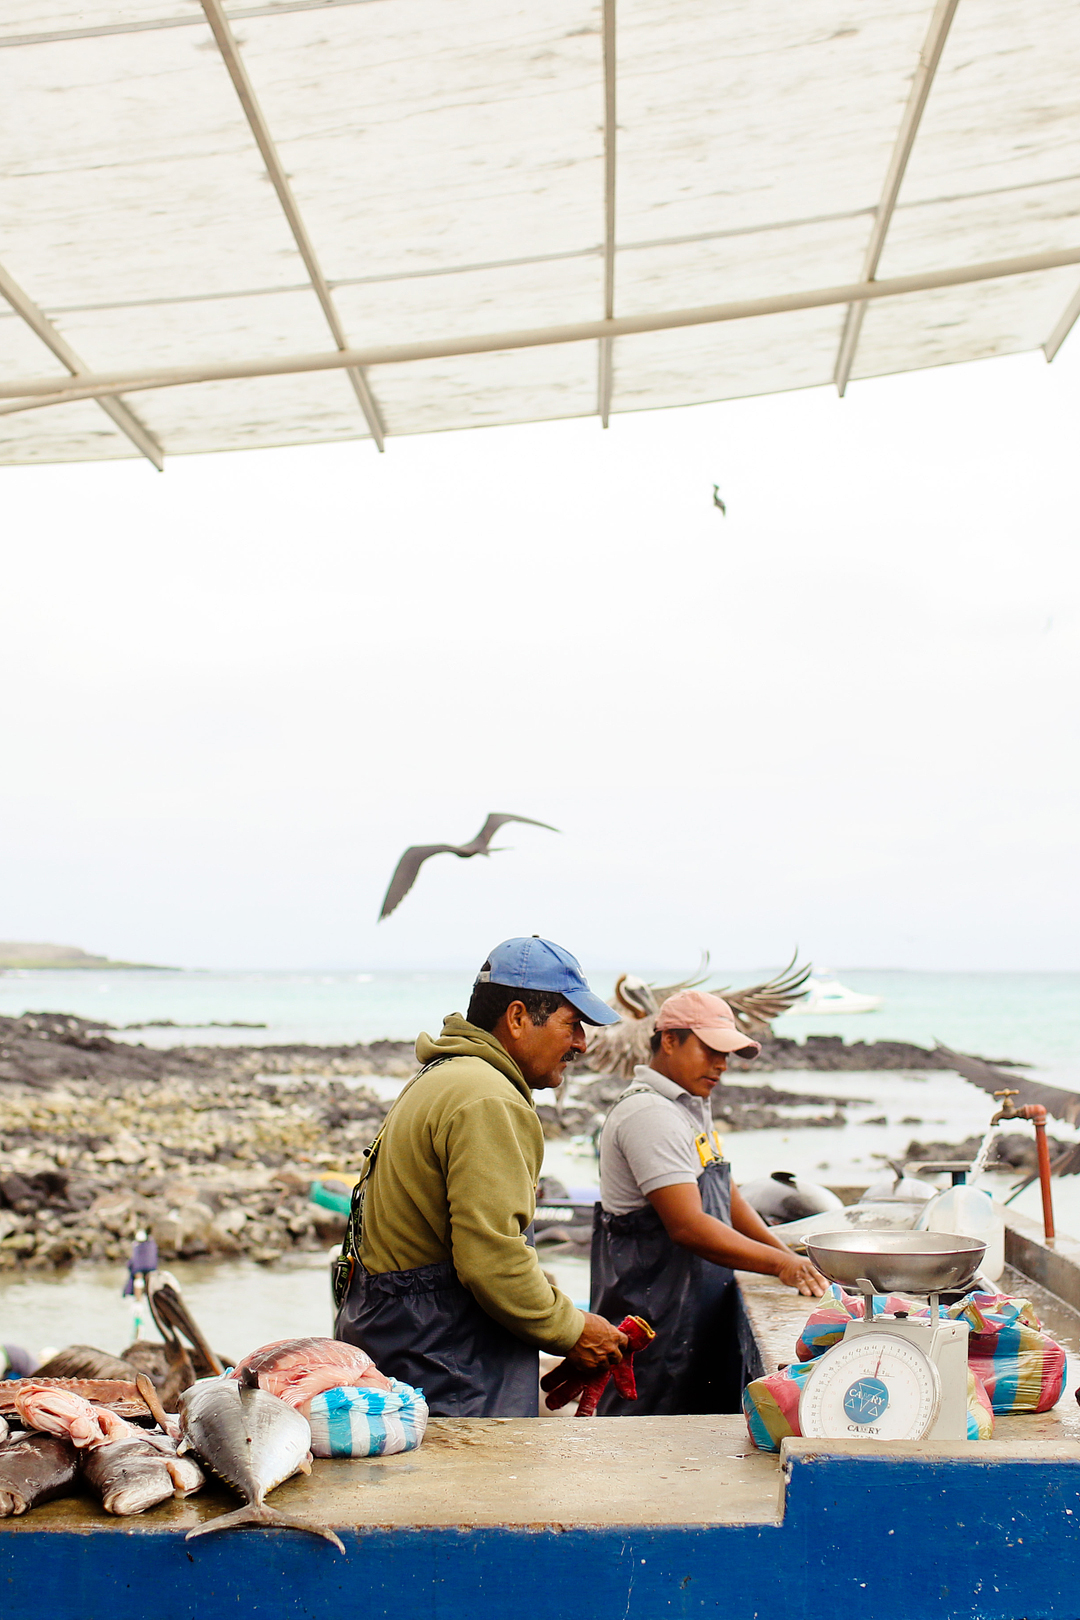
{"x":699,"y":975}
{"x":759,"y":1004}
{"x":491,"y":826}
{"x":406,"y":869}
{"x":1062,"y":1104}
{"x":618,"y":1048}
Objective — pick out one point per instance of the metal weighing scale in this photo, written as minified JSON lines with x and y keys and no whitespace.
{"x":893,"y":1377}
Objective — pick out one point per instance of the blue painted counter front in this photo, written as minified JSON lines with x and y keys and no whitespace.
{"x":884,"y":1537}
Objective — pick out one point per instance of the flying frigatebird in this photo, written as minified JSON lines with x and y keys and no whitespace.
{"x":414,"y":857}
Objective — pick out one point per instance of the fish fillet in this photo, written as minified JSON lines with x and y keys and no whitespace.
{"x":62,"y":1412}
{"x":296,"y":1369}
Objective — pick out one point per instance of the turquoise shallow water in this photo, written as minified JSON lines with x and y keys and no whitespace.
{"x":1033,"y":1017}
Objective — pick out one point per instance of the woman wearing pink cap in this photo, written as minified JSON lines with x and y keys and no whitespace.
{"x":671,"y":1224}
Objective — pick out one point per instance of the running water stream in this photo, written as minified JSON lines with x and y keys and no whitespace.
{"x":978,"y":1164}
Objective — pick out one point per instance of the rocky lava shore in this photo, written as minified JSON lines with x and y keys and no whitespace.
{"x":214,"y":1149}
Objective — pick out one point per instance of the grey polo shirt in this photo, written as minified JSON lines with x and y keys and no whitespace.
{"x":648,"y":1141}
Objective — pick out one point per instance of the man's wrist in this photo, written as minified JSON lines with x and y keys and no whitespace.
{"x":566,"y":1340}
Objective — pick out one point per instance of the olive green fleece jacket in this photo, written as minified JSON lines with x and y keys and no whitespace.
{"x":455,"y":1179}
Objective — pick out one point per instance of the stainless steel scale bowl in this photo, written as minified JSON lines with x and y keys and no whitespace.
{"x":893,"y":1377}
{"x":901,"y":1262}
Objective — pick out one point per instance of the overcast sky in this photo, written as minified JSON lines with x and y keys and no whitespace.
{"x":844,"y":717}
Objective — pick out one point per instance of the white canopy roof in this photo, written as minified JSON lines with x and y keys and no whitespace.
{"x":310,"y":220}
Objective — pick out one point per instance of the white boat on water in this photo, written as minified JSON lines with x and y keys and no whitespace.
{"x":830,"y":996}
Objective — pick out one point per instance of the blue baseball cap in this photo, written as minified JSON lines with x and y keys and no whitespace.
{"x":538,"y":964}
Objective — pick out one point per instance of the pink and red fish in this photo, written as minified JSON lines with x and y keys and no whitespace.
{"x":131,"y":1469}
{"x":296,"y":1369}
{"x":72,"y":1417}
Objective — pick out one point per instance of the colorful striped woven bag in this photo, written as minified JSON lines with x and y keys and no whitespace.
{"x":361,"y":1422}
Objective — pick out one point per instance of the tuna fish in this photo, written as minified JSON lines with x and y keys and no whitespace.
{"x":296,"y":1369}
{"x":35,"y":1468}
{"x":252,"y":1441}
{"x":133,"y":1475}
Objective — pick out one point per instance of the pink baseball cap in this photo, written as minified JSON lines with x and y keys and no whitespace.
{"x":711,"y":1020}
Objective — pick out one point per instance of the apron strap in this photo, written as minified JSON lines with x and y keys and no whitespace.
{"x":638,"y":1089}
{"x":709,"y":1144}
{"x":349,"y":1256}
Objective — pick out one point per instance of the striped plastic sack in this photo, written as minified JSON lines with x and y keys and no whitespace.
{"x":825,"y":1325}
{"x":1022,"y":1368}
{"x":361,"y":1422}
{"x":771,"y":1406}
{"x":980,"y":1419}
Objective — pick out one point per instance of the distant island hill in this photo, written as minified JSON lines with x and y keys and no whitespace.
{"x":20,"y":954}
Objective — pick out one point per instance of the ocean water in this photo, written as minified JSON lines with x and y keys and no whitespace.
{"x":238,"y":1304}
{"x":1032,"y":1017}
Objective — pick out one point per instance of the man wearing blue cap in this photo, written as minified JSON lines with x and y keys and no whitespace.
{"x":439,"y":1282}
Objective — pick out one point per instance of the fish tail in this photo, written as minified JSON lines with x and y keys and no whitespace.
{"x":259,"y":1513}
{"x":285,"y":1521}
{"x":253,"y":1513}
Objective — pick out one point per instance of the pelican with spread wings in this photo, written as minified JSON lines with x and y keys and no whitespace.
{"x":405,"y":872}
{"x":619,"y":1048}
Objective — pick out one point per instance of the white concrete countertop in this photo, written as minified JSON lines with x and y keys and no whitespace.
{"x":490,"y":1471}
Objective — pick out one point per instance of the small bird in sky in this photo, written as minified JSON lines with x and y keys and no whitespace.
{"x":414,"y":857}
{"x":716,"y":499}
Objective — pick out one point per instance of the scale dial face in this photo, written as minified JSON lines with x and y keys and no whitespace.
{"x":876,"y":1387}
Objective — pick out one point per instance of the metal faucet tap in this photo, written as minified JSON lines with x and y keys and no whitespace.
{"x":1036,"y":1113}
{"x":1008,"y":1110}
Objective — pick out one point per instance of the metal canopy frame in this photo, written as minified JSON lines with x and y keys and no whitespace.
{"x":610,"y":132}
{"x":1063,"y":327}
{"x":929,"y":58}
{"x":39,"y":323}
{"x":283,"y":8}
{"x":34,"y":393}
{"x":106,"y":386}
{"x":230,"y":54}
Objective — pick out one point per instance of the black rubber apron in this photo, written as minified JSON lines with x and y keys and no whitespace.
{"x":424,"y":1327}
{"x":694,"y":1364}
